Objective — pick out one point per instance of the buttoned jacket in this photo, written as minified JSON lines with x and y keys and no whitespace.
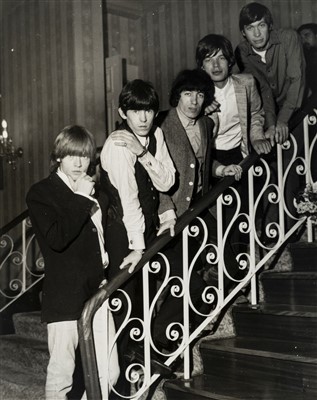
{"x":181,"y":194}
{"x":69,"y":243}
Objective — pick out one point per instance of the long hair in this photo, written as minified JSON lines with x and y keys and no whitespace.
{"x":73,"y":140}
{"x":210,"y":45}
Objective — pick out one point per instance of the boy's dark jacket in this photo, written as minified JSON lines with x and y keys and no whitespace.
{"x":68,"y":240}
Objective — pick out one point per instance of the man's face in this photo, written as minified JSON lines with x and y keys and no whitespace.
{"x":217,"y":67}
{"x":309,"y":39}
{"x":257,"y":34}
{"x":74,"y":166}
{"x":190,"y":103}
{"x":140,"y":121}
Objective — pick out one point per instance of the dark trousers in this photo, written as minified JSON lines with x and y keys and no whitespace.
{"x":118,"y":248}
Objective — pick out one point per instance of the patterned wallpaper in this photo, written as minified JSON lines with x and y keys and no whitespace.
{"x":51,"y":75}
{"x":52,"y":64}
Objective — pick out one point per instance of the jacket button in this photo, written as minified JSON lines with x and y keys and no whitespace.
{"x":191,"y":183}
{"x":94,"y":229}
{"x":192,"y":165}
{"x":187,"y":198}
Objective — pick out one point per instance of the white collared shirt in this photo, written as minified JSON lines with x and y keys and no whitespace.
{"x":119,"y":162}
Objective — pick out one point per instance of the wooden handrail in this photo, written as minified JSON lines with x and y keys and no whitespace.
{"x":85,"y":322}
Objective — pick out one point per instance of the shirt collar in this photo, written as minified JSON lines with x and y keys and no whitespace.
{"x":274,"y":39}
{"x":64,"y":178}
{"x":185,"y":121}
{"x":225,"y":88}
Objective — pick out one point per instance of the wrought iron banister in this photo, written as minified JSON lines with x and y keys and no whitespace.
{"x":85,"y":323}
{"x":92,"y":305}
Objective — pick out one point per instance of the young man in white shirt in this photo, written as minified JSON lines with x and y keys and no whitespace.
{"x":136,"y":166}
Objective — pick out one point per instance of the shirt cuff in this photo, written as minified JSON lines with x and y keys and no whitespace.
{"x":146,"y":160}
{"x":87,"y":195}
{"x":270,"y":120}
{"x":136,"y":241}
{"x":220,"y":170}
{"x":167,"y":215}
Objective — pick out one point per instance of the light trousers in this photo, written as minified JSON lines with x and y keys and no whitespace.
{"x":62,"y":344}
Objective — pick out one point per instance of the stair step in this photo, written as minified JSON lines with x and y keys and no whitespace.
{"x":29,"y":324}
{"x":290,"y":287}
{"x":21,"y":383}
{"x":203,"y":387}
{"x":24,"y":353}
{"x":276,"y":321}
{"x":286,"y":365}
{"x":304,"y":256}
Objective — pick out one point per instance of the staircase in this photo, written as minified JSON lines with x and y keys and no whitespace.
{"x":274,"y":353}
{"x":24,"y":358}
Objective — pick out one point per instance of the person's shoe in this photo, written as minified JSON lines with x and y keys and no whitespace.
{"x":135,"y":353}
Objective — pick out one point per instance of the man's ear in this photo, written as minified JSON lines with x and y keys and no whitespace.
{"x":242,"y":32}
{"x":122,"y":114}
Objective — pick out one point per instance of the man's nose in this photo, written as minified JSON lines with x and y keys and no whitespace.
{"x":215,"y":62}
{"x":257,"y":32}
{"x":142,"y":116}
{"x":194,"y":98}
{"x":77,"y":161}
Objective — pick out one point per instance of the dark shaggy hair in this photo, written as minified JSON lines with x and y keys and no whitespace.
{"x":311,"y":26}
{"x":253,"y":12}
{"x":138,"y":95}
{"x":210,"y":45}
{"x":190,"y":80}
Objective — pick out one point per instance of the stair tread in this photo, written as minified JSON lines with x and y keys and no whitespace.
{"x":28,"y":315}
{"x":303,"y":245}
{"x":24,"y":341}
{"x":273,"y":348}
{"x":228,"y":389}
{"x":279,"y":309}
{"x":21,"y":376}
{"x":21,"y":383}
{"x":289,"y":275}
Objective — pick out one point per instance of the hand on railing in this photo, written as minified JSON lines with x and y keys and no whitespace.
{"x":167,"y":225}
{"x":131,"y":260}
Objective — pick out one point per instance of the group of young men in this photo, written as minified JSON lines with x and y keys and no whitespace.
{"x":153,"y":168}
